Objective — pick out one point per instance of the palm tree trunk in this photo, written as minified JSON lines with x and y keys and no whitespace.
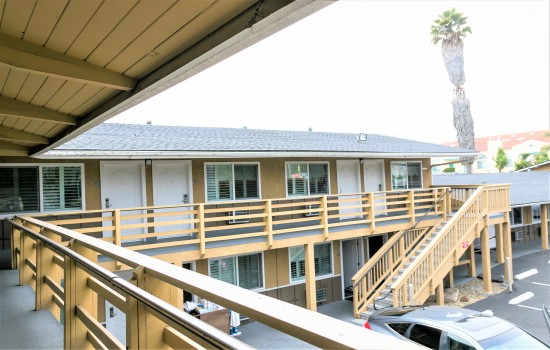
{"x":452,"y":51}
{"x":464,"y":125}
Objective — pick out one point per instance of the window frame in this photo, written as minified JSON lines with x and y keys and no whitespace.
{"x":40,"y":173}
{"x":317,"y":277}
{"x":534,"y":209}
{"x":513,"y":222}
{"x":232,"y":189}
{"x":308,"y":186}
{"x":406,"y":176}
{"x":236,"y":268}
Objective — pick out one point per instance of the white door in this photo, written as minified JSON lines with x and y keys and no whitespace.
{"x":349,"y":182}
{"x":172,"y":186}
{"x":115,"y":322}
{"x":374,"y":179}
{"x":123,"y":186}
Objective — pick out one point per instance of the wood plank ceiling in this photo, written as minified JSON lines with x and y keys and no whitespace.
{"x":68,"y":65}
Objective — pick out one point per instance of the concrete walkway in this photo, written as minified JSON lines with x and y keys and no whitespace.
{"x":20,"y":326}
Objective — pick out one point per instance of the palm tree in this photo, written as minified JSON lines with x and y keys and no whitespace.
{"x":449,"y":28}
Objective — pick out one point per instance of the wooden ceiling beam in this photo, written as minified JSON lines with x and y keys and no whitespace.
{"x":17,"y":135}
{"x":11,"y":149}
{"x":20,"y":109}
{"x":21,"y":55}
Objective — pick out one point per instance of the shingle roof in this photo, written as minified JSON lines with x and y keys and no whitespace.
{"x":525,"y":188}
{"x":131,"y":138}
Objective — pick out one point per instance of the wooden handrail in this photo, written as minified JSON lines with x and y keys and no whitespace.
{"x":151,"y":313}
{"x":386,"y":261}
{"x":461,"y":228}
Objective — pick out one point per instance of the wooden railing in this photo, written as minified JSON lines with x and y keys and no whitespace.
{"x":443,"y":252}
{"x":200,"y":226}
{"x":369,"y":281}
{"x":67,"y":279}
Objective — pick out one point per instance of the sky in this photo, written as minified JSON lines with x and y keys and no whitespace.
{"x":364,"y":66}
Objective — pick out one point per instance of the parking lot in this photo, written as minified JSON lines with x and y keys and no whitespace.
{"x":522,"y":306}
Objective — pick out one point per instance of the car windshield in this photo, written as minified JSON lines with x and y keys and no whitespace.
{"x":513,"y":339}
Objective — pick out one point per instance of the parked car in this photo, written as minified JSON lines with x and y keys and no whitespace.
{"x":450,"y":328}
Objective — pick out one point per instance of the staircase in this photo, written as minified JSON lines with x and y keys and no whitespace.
{"x":408,"y":268}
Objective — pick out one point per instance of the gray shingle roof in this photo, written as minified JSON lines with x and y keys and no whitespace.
{"x":134,"y":138}
{"x":525,"y":188}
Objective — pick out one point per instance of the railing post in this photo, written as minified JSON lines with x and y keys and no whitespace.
{"x":77,"y":293}
{"x":324,"y":217}
{"x":15,"y":244}
{"x":371,"y":218}
{"x":485,"y":259}
{"x":44,"y":267}
{"x":151,"y":326}
{"x":25,"y":248}
{"x":412,"y":212}
{"x":269,"y":222}
{"x":202,"y":235}
{"x":118,"y":227}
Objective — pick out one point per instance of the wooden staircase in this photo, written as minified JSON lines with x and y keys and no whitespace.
{"x":409,"y":267}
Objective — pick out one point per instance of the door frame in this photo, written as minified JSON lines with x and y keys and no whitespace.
{"x":339,"y":181}
{"x":360,"y":255}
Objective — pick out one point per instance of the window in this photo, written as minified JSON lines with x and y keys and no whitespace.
{"x":455,"y":342}
{"x":406,"y":175}
{"x":231,"y":181}
{"x":427,"y":336}
{"x":62,"y":188}
{"x":482,"y":162}
{"x":19,"y":189}
{"x":516,"y":217}
{"x":535,"y":210}
{"x":307,"y":179}
{"x":244,"y":271}
{"x":400,"y":327}
{"x":322,"y":259}
{"x":40,"y":188}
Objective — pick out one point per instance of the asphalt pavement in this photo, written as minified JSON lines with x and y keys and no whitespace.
{"x":522,"y":306}
{"x":530,"y":291}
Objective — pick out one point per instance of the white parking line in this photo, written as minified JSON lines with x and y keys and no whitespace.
{"x":526,"y":274}
{"x":541,"y":284}
{"x":521,"y":298}
{"x":530,"y":307}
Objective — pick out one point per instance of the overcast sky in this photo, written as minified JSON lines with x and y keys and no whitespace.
{"x":369,"y":66}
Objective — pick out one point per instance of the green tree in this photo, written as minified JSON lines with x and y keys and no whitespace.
{"x":449,"y":28}
{"x":542,"y":156}
{"x":501,"y":159}
{"x":523,"y":161}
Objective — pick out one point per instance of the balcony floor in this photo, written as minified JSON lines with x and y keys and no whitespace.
{"x":21,"y":327}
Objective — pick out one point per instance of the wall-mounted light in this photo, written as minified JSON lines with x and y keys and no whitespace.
{"x":148,"y":162}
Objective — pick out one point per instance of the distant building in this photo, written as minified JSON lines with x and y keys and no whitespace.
{"x":514,"y":145}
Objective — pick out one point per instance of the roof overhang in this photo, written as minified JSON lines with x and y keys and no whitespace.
{"x":66,"y":67}
{"x":62,"y":154}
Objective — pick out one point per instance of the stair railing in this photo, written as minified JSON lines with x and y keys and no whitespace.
{"x":369,"y":280}
{"x":435,"y":261}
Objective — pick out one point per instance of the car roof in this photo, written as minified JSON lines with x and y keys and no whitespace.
{"x":468,"y":321}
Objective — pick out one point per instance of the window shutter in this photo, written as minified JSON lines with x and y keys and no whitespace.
{"x":250,"y":271}
{"x":297,"y":179}
{"x":223,"y":270}
{"x":323,"y":263}
{"x":246,"y":181}
{"x":72,"y":184}
{"x":318,"y":174}
{"x":218,"y":182}
{"x":61,"y":188}
{"x":50,"y":188}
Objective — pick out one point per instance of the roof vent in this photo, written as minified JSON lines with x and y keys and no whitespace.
{"x":149,"y":122}
{"x":362,"y":137}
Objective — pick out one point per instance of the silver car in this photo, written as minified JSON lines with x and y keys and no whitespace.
{"x":450,"y":328}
